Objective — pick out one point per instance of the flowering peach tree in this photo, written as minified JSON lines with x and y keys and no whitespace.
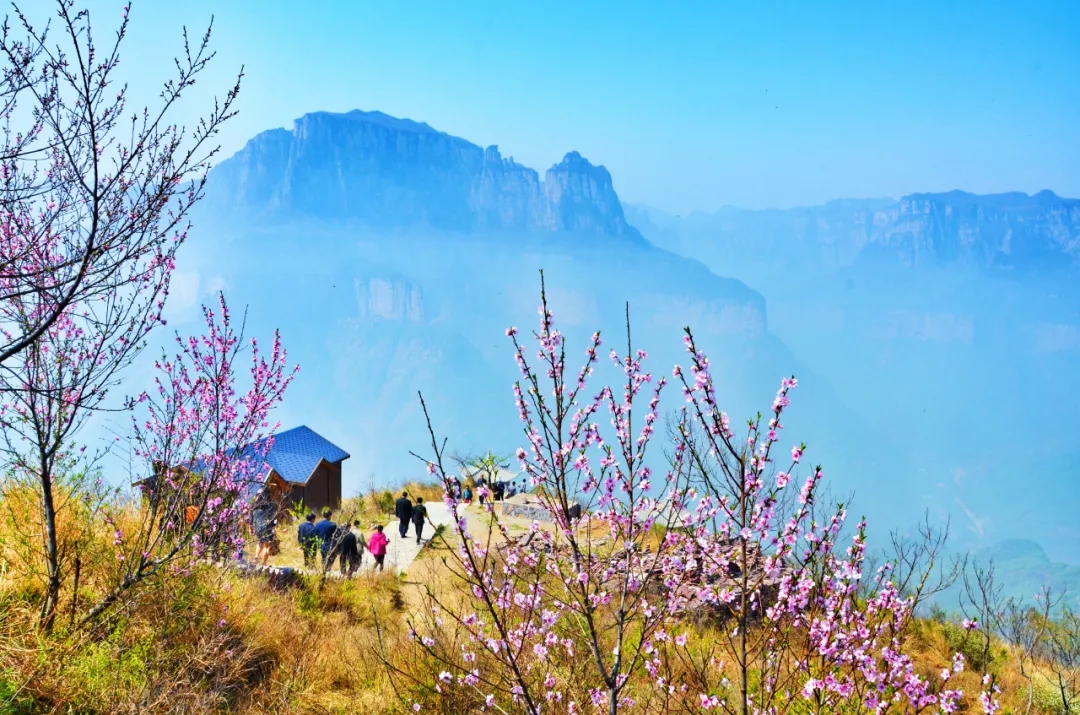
{"x":201,"y":443}
{"x":717,"y":585}
{"x":93,"y":201}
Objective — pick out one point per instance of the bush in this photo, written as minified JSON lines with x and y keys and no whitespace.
{"x":383,"y":501}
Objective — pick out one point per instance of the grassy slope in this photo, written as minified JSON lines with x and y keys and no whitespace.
{"x":216,"y":642}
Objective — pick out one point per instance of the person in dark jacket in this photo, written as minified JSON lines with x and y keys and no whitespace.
{"x":349,"y":548}
{"x":419,"y":515}
{"x":308,"y":540}
{"x":403,"y":510}
{"x":341,"y":547}
{"x":324,"y":531}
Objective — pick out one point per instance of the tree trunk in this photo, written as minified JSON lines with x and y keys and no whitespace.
{"x":52,"y":556}
{"x":109,"y":600}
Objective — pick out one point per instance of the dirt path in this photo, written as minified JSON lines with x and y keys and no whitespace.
{"x":400,"y":553}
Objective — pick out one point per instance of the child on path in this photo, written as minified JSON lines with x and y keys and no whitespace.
{"x":377,"y":546}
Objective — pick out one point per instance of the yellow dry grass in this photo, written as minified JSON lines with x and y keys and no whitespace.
{"x":216,"y":642}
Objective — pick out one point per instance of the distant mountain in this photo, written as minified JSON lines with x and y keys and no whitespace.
{"x":396,"y":173}
{"x":1022,"y":570}
{"x":952,"y":322}
{"x":393,"y":256}
{"x":1001,"y":231}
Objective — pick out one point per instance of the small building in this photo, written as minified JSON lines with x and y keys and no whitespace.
{"x":301,"y":466}
{"x":308,"y":466}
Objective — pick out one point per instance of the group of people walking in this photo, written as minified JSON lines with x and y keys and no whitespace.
{"x":498,"y":490}
{"x":407,"y":513}
{"x":344,"y":543}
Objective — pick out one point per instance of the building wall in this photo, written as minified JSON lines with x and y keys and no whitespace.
{"x":322,"y":489}
{"x":297,"y":495}
{"x":335,"y":484}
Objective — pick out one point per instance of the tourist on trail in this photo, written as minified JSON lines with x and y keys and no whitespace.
{"x":377,"y":546}
{"x":348,"y":550}
{"x":481,"y":490}
{"x":467,"y":496}
{"x":499,"y":490}
{"x":308,"y":540}
{"x":324,"y":531}
{"x":263,"y":523}
{"x":337,"y":546}
{"x":455,"y":487}
{"x":403,"y":510}
{"x":419,"y":514}
{"x":361,"y":540}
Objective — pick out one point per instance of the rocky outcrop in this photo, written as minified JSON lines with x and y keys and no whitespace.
{"x":580,"y":197}
{"x":506,"y":195}
{"x":1003,"y":230}
{"x":388,"y":172}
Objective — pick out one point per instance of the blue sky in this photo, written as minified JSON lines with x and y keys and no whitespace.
{"x":691,"y":106}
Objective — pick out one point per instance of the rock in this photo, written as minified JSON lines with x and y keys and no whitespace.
{"x":1011,"y":230}
{"x":396,"y":173}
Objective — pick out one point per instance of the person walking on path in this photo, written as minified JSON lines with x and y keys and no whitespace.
{"x":419,"y":515}
{"x":308,"y":540}
{"x":347,"y":550}
{"x":377,"y":546}
{"x":403,"y":510}
{"x":337,"y":546}
{"x":263,"y":523}
{"x":324,"y":531}
{"x":361,"y":540}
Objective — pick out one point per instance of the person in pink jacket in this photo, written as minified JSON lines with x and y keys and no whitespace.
{"x":377,"y":546}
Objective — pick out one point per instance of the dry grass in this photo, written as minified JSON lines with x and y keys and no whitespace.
{"x":216,"y":642}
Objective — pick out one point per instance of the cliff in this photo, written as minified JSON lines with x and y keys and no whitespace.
{"x":1011,"y":230}
{"x":998,"y":232}
{"x":391,"y":173}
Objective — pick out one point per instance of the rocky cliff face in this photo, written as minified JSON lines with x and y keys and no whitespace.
{"x":1001,"y":231}
{"x":389,"y":172}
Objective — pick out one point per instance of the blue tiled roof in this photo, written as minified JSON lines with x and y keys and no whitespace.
{"x":294,"y":455}
{"x":298,"y":451}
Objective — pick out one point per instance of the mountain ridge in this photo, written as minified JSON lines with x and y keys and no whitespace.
{"x":390,"y":172}
{"x":1005,"y":231}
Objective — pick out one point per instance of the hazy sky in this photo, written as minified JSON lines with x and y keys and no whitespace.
{"x":689,"y":105}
